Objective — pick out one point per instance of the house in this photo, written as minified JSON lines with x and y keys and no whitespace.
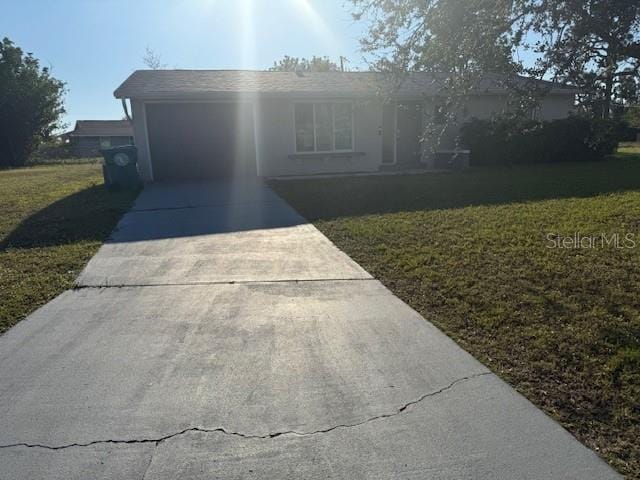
{"x":89,"y":136}
{"x":208,"y":123}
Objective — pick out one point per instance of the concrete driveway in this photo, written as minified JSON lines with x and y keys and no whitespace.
{"x":218,"y":335}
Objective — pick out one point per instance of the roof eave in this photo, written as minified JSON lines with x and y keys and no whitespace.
{"x":249,"y":96}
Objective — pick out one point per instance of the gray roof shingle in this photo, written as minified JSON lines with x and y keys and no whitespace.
{"x":166,"y":84}
{"x":101,"y":128}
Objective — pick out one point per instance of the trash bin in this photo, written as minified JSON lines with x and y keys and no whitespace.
{"x":120,"y":168}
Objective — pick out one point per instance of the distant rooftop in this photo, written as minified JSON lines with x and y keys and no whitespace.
{"x":163,"y":84}
{"x":101,"y":128}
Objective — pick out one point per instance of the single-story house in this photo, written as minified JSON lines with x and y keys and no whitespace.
{"x":208,"y":123}
{"x":89,"y":136}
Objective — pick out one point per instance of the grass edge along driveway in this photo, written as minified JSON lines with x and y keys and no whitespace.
{"x":53,"y":219}
{"x":470,"y":251}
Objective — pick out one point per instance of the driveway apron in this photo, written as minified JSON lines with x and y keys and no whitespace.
{"x":217,"y":334}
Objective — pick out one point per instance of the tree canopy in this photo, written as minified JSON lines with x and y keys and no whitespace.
{"x":592,"y":44}
{"x":31,"y":104}
{"x":313,"y":64}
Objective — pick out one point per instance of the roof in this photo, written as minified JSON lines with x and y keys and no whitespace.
{"x":167,"y":84}
{"x":102,"y":128}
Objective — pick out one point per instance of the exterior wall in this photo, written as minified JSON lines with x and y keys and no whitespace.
{"x":275,"y":141}
{"x":141,"y":140}
{"x":554,"y":107}
{"x":90,"y":146}
{"x":275,"y":134}
{"x":551,"y":107}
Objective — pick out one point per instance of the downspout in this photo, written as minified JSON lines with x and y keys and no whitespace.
{"x":126,"y":109}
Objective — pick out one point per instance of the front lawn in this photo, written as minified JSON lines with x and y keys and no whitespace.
{"x":475,"y":253}
{"x":53,"y":219}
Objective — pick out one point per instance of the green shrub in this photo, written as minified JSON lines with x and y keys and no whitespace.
{"x":506,"y":141}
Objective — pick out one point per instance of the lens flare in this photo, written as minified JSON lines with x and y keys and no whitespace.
{"x":314,"y":20}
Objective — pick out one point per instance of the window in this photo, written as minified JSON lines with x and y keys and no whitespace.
{"x":105,"y":142}
{"x":324,"y":127}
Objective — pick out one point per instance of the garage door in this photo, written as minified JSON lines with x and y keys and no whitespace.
{"x":200,"y":140}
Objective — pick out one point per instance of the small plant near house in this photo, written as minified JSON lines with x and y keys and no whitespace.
{"x":505,"y":141}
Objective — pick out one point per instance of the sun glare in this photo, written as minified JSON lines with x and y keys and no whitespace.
{"x":314,"y":20}
{"x":247,"y":33}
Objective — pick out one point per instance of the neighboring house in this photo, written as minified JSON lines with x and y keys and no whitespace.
{"x":207,"y":123}
{"x":90,"y":136}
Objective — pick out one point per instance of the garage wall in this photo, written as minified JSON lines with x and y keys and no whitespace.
{"x":140,"y":139}
{"x":275,"y":138}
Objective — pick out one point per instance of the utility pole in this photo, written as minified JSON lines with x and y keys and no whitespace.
{"x":342,"y":60}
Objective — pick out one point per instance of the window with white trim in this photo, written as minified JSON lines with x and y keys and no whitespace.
{"x":324,"y":127}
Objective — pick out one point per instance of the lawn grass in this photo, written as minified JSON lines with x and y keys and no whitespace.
{"x":53,"y":220}
{"x":469,"y":251}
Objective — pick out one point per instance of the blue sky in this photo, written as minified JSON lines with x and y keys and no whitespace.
{"x":93,"y":45}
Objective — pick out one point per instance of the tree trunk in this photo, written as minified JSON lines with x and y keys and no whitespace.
{"x":610,"y":70}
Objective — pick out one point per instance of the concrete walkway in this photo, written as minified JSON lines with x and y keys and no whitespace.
{"x":218,"y":335}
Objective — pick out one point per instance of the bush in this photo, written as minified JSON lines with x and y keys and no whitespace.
{"x":31,"y":104}
{"x":507,"y":141}
{"x":53,"y":150}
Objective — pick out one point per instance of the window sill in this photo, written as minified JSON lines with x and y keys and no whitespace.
{"x":323,"y":155}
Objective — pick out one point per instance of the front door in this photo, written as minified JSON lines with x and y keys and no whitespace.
{"x":408,"y":133}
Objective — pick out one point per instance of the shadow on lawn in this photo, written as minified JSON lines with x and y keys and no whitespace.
{"x":87,"y":215}
{"x":325,"y":199}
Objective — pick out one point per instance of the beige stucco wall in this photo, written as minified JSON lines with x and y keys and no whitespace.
{"x":275,"y":139}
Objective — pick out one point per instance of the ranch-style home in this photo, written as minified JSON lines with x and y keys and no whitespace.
{"x":199,"y":124}
{"x":90,"y":136}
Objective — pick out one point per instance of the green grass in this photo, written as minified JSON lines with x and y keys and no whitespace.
{"x":64,"y":161}
{"x":469,"y":251}
{"x":53,"y":220}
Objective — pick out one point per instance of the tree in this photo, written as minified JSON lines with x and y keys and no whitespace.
{"x":314,"y":64}
{"x":460,"y":43}
{"x":31,"y":104}
{"x":153,"y":60}
{"x":596,"y":47}
{"x":632,"y":116}
{"x":592,"y":44}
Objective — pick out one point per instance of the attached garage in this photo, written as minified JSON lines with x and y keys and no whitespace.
{"x":203,"y":124}
{"x":198,"y":141}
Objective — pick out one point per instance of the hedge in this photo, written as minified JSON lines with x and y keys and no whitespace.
{"x":508,"y":141}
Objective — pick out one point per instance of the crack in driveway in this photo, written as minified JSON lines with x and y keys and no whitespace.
{"x":224,"y":431}
{"x":221,"y":282}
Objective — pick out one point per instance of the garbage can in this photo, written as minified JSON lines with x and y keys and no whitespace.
{"x":120,"y":168}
